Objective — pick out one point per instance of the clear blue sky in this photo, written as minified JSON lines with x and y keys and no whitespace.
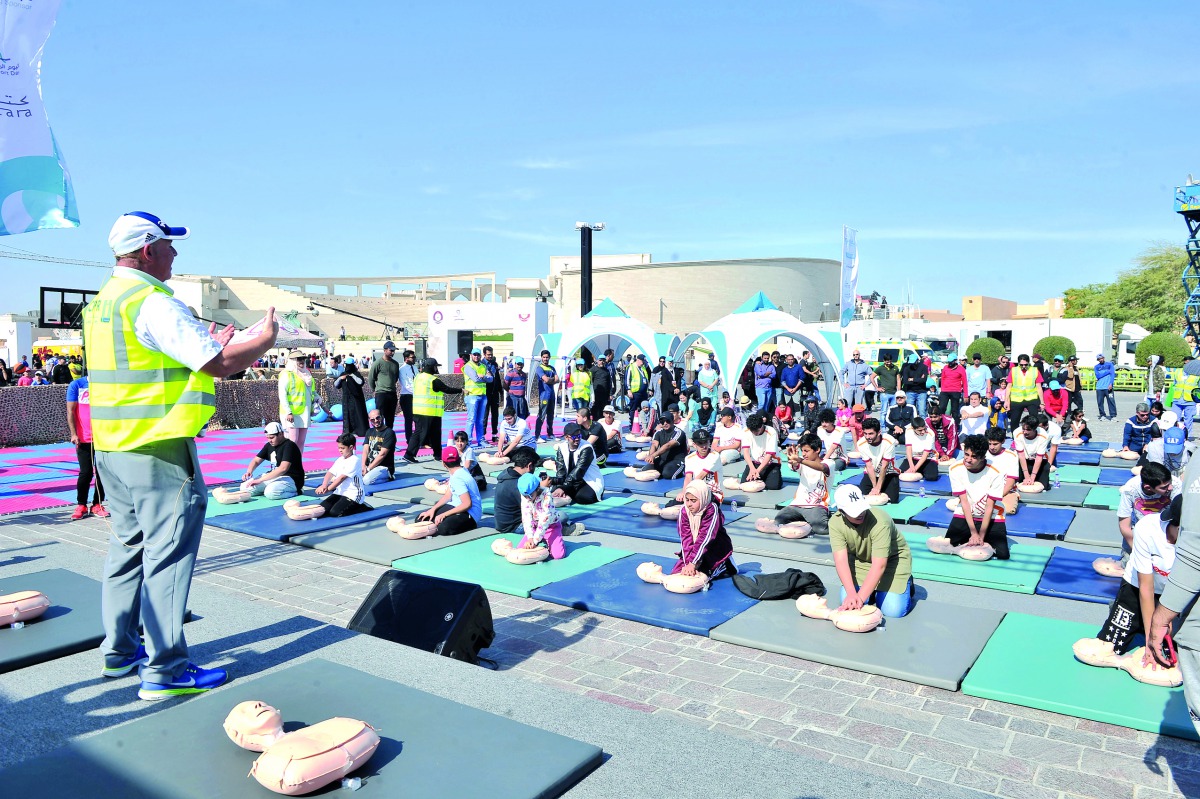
{"x":1011,"y":149}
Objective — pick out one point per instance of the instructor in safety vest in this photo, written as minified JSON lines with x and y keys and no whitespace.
{"x":639,"y":383}
{"x":581,"y":386}
{"x":428,"y":405}
{"x":476,"y":378}
{"x":1024,"y":392}
{"x":151,"y":366}
{"x":296,"y":399}
{"x":1186,"y":389}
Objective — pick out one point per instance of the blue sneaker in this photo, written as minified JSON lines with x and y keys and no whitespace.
{"x":127,"y":665}
{"x":194,"y":680}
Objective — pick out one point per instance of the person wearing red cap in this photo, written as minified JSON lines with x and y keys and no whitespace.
{"x":467,"y":508}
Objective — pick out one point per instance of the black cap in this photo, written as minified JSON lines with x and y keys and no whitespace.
{"x":572,"y":429}
{"x":387,"y":345}
{"x":673,"y":408}
{"x":727,"y":412}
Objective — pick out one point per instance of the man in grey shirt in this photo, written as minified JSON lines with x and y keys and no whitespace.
{"x":382,"y":380}
{"x":408,"y":373}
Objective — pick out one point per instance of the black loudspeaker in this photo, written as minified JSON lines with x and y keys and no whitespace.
{"x":445,"y":617}
{"x":466,"y":342}
{"x":421,"y":348}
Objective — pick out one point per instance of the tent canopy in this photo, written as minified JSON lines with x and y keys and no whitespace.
{"x":606,"y":326}
{"x":290,"y":336}
{"x":738,"y":337}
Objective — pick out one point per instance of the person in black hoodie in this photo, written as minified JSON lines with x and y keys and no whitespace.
{"x":914,"y":377}
{"x":507,"y":498}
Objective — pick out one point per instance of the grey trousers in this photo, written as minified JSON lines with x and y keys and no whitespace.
{"x":157,"y":500}
{"x":1189,"y":665}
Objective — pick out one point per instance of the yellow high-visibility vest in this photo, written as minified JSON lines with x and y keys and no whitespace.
{"x":480,"y":372}
{"x":296,"y":394}
{"x":1023,"y":387}
{"x":138,"y":396}
{"x":426,"y":401}
{"x":581,"y":384}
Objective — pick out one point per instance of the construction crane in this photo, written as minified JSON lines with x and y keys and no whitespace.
{"x":1187,"y":204}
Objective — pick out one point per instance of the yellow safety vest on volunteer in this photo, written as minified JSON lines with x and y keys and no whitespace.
{"x":138,"y":396}
{"x":581,"y":384}
{"x":1187,"y":387}
{"x":297,"y":395}
{"x":637,"y":376}
{"x":471,"y":387}
{"x":1023,"y":387}
{"x":426,"y":401}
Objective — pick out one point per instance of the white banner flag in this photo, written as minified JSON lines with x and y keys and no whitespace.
{"x":35,"y":187}
{"x":849,"y":273}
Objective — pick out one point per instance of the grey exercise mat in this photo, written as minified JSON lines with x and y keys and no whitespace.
{"x":416,"y":495}
{"x":372,"y":542}
{"x":71,"y":624}
{"x":764,"y":500}
{"x":748,"y":541}
{"x":1069,"y":495}
{"x":1094,"y":528}
{"x":430,"y":747}
{"x":935,"y":644}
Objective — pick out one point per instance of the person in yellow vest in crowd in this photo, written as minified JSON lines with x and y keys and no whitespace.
{"x":581,"y":386}
{"x":428,"y":406}
{"x":1024,"y":392}
{"x":151,"y":366}
{"x":639,"y":383}
{"x":475,"y":379}
{"x":1186,"y":388}
{"x":296,"y":399}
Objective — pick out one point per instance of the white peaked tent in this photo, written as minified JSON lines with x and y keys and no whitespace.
{"x":606,"y":327}
{"x":739,"y":337}
{"x":291,"y":336}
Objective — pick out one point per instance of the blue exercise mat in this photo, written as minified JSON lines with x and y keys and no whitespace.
{"x":1033,"y":521}
{"x":940,"y":486}
{"x":618,"y":482}
{"x":1114,"y":477}
{"x":623,"y":459}
{"x":1090,"y":446}
{"x":1069,"y":574}
{"x":616,"y":590}
{"x":273,"y":523}
{"x":1077,"y":457}
{"x":629,"y":520}
{"x":401,"y":481}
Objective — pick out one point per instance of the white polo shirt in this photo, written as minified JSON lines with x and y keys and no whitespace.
{"x":1028,"y":449}
{"x":918,"y":443}
{"x":164,"y":324}
{"x":882,"y":454}
{"x":1006,"y":463}
{"x":974,"y":488}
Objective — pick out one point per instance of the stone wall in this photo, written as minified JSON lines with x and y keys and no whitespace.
{"x":38,"y":414}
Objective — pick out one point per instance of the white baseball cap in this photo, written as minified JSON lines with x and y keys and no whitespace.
{"x":850,"y":500}
{"x":273,"y":428}
{"x":136,"y":229}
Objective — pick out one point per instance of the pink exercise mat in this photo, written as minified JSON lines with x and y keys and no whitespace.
{"x":30,"y":502}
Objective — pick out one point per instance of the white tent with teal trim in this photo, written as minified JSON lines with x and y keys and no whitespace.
{"x":740,"y":336}
{"x":606,"y":327}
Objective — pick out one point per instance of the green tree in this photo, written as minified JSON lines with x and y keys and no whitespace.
{"x":989,"y":350}
{"x":1150,"y":293}
{"x":1171,"y":346}
{"x":1050,"y":346}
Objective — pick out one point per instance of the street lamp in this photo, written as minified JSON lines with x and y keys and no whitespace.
{"x":585,"y":264}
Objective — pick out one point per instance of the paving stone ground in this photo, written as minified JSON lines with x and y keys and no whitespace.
{"x":917,"y":734}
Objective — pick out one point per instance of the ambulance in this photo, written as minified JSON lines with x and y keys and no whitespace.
{"x":874,"y":351}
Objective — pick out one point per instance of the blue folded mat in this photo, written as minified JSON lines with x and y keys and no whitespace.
{"x":629,"y":520}
{"x":1114,"y":477}
{"x":1069,"y":574}
{"x":939,"y":486}
{"x":619,"y":482}
{"x":615,"y":590}
{"x":401,"y":481}
{"x":1033,"y":521}
{"x":273,"y":523}
{"x":1089,"y":446}
{"x":1077,"y":457}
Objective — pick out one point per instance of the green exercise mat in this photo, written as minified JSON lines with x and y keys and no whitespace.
{"x":1071,"y":473}
{"x":934,"y":644}
{"x":908,"y":507}
{"x":1103,"y":498}
{"x":474,"y":562}
{"x":429,"y":746}
{"x":1028,"y":662}
{"x":1020,"y":574}
{"x":372,"y":542}
{"x":572,"y":512}
{"x":216,"y":509}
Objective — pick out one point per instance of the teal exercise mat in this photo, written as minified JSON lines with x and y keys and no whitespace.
{"x":1096,"y":528}
{"x":1073,"y":473}
{"x":429,"y":747}
{"x":71,"y":624}
{"x":1028,"y":662}
{"x":372,"y":542}
{"x":1103,"y":498}
{"x":1020,"y":574}
{"x":935,"y":644}
{"x":474,"y":562}
{"x":908,"y":507}
{"x":216,"y":509}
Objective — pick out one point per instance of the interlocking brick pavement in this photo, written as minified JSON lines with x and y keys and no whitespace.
{"x":916,"y":734}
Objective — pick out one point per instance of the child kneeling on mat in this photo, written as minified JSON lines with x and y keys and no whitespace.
{"x":342,"y":483}
{"x":872,"y":558}
{"x":808,"y":512}
{"x":706,"y":551}
{"x":540,"y":519}
{"x":462,"y":517}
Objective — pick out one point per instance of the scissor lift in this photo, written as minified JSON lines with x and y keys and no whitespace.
{"x":1187,"y":203}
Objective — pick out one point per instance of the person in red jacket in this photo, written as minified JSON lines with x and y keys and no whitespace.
{"x":953,"y":387}
{"x":1055,"y":402}
{"x":945,"y":434}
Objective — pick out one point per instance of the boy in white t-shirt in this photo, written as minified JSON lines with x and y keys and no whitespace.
{"x":879,"y":456}
{"x":918,"y":444}
{"x":342,"y":486}
{"x":1145,"y":577}
{"x":1031,"y":446}
{"x":760,"y":448}
{"x":701,"y":464}
{"x":1004,"y":461}
{"x":831,"y":440}
{"x":1054,"y":435}
{"x":808,"y":512}
{"x":612,"y":430}
{"x":727,"y":436}
{"x":978,"y":487}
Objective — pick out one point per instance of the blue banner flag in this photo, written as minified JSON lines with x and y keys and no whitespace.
{"x":849,"y":273}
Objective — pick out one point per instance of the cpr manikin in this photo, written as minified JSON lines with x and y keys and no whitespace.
{"x":22,"y":606}
{"x":298,"y":512}
{"x":706,"y":551}
{"x":860,"y":620}
{"x":542,"y":524}
{"x":411,"y":530}
{"x":230,"y":496}
{"x":1125,"y":455}
{"x":303,"y":761}
{"x":940,"y":545}
{"x":1095,"y":652}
